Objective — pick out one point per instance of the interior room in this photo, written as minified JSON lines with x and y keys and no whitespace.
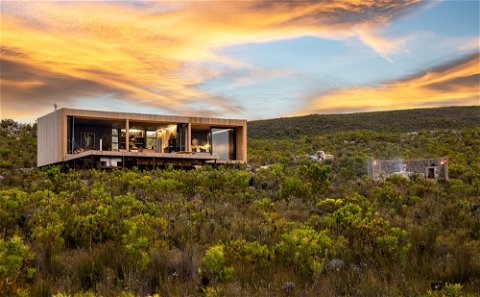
{"x":201,"y":139}
{"x":90,"y":134}
{"x":111,"y":135}
{"x":152,"y":137}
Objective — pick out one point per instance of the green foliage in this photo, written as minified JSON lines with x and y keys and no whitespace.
{"x":318,"y":176}
{"x":305,"y":249}
{"x":14,"y":204}
{"x":136,"y":233}
{"x":214,"y":263}
{"x":17,"y":145}
{"x":142,"y":236}
{"x":211,"y":292}
{"x":265,"y":205}
{"x":253,"y":254}
{"x":394,"y":244}
{"x":15,"y":265}
{"x":294,"y":188}
{"x":329,"y":205}
{"x":450,"y":290}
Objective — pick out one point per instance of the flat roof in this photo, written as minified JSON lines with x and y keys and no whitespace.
{"x":96,"y":114}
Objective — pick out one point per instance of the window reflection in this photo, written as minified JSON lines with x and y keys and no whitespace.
{"x":223,"y":143}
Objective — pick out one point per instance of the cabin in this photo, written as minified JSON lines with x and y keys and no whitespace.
{"x":78,"y":138}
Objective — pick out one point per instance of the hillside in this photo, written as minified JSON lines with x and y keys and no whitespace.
{"x":18,"y":141}
{"x":392,"y":121}
{"x":293,"y":228}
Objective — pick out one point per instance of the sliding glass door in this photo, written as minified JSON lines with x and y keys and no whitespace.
{"x":223,"y":143}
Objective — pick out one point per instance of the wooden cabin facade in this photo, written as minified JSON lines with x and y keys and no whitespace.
{"x":97,"y":139}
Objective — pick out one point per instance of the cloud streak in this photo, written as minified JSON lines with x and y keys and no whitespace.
{"x":453,"y":83}
{"x":144,"y":52}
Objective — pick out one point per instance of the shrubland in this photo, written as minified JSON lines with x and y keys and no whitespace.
{"x":293,"y":227}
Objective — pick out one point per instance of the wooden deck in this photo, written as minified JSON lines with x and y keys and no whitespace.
{"x":179,"y":155}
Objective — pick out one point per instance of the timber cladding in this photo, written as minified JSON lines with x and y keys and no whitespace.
{"x":52,"y":130}
{"x":140,"y":117}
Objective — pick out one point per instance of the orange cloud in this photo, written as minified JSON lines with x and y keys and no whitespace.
{"x":151,"y":52}
{"x":455,"y":83}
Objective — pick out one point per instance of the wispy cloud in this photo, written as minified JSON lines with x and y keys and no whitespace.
{"x":453,"y":83}
{"x":143,"y":51}
{"x":385,"y":47}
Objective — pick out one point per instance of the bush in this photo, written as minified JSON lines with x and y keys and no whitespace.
{"x":214,"y":264}
{"x":15,"y":265}
{"x":250,"y":254}
{"x":450,"y":290}
{"x":305,"y":249}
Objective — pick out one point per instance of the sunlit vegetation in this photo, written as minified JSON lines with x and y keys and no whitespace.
{"x":292,"y":228}
{"x":18,"y":145}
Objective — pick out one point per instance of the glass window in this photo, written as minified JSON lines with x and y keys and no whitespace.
{"x":151,"y":140}
{"x":223,"y":143}
{"x":200,"y":139}
{"x":114,"y":140}
{"x":181,"y":134}
{"x":136,"y":139}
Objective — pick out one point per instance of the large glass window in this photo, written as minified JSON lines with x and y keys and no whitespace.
{"x":91,"y":134}
{"x":223,"y":143}
{"x":200,"y":142}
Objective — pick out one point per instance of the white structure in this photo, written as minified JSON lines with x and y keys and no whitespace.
{"x":320,"y":156}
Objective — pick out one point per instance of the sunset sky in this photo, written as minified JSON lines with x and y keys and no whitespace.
{"x":250,"y":59}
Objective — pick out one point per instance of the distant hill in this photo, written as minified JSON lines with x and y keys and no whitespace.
{"x":393,"y":121}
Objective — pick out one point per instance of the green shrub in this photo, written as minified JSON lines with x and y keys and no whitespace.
{"x":305,"y":249}
{"x":144,"y":234}
{"x":295,"y":187}
{"x":14,"y":204}
{"x":265,"y":205}
{"x":247,"y":254}
{"x":214,"y":264}
{"x":450,"y":290}
{"x":15,"y":265}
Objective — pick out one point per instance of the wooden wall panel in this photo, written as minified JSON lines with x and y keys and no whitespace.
{"x":242,"y":143}
{"x":49,"y":144}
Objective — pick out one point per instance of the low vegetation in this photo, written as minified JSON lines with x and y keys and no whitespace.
{"x":293,"y":227}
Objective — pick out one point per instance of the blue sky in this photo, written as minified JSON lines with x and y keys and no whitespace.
{"x":249,"y":60}
{"x":315,"y":65}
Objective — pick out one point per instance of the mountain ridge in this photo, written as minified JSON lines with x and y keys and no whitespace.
{"x":406,"y":120}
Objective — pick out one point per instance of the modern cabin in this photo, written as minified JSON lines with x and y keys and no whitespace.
{"x":96,"y":139}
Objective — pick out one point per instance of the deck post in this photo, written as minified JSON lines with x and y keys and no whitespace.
{"x":188,"y":140}
{"x":127,"y":135}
